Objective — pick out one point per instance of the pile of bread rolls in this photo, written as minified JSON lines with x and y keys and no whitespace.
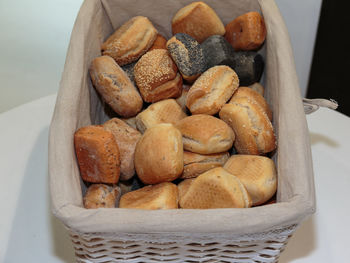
{"x":193,"y":129}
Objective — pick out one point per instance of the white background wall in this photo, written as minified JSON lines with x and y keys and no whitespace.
{"x":35,"y":35}
{"x":33,"y":43}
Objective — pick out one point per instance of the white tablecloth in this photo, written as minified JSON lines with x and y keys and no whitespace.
{"x":29,"y":233}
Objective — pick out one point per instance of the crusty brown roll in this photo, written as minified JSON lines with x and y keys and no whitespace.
{"x":159,"y":196}
{"x":159,"y":154}
{"x":216,"y":188}
{"x":115,"y":87}
{"x":257,"y":173}
{"x":246,"y":32}
{"x":164,"y":111}
{"x":126,"y":138}
{"x":159,"y":43}
{"x":184,"y":186}
{"x":101,"y":196}
{"x":205,"y":134}
{"x":197,"y":20}
{"x":170,"y":89}
{"x":156,"y":76}
{"x":130,"y":41}
{"x":196,"y":164}
{"x":212,"y":90}
{"x":253,"y":95}
{"x":98,"y":155}
{"x":188,"y":56}
{"x":258,"y":88}
{"x":252,"y":127}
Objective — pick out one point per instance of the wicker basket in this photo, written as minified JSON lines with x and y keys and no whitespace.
{"x":256,"y":234}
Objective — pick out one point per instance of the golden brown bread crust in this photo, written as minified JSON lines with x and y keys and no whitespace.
{"x":152,"y":71}
{"x":126,"y":138}
{"x":197,"y":20}
{"x":98,"y":155}
{"x":257,"y":173}
{"x":216,"y":188}
{"x":101,"y":196}
{"x":170,"y":89}
{"x":115,"y":86}
{"x":165,"y":111}
{"x":212,"y":90}
{"x":196,"y":164}
{"x":205,"y":134}
{"x":184,"y":186}
{"x":253,"y":129}
{"x":258,"y":88}
{"x":246,"y":32}
{"x":130,"y":41}
{"x":159,"y":43}
{"x":159,"y":154}
{"x":253,"y":95}
{"x":159,"y":196}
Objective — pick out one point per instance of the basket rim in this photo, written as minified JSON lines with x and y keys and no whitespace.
{"x":182,"y":220}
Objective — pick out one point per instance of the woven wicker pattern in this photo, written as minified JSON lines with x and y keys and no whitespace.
{"x":98,"y":248}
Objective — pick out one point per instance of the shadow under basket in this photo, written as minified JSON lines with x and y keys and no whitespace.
{"x":257,"y":234}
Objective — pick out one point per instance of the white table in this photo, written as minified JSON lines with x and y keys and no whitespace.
{"x":29,"y":233}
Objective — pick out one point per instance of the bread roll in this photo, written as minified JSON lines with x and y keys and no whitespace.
{"x":246,"y":32}
{"x":188,"y":56}
{"x":258,"y":88}
{"x":217,"y":51}
{"x":159,"y":43}
{"x":205,"y":134}
{"x":196,"y":164}
{"x":253,"y":95}
{"x":252,"y":127}
{"x":153,"y":73}
{"x":130,"y":41}
{"x":170,"y":89}
{"x":154,"y":197}
{"x":126,"y":138}
{"x":159,"y":154}
{"x":115,"y":87}
{"x":249,"y":66}
{"x":197,"y":20}
{"x":101,"y":196}
{"x":257,"y":173}
{"x":216,"y":188}
{"x":165,"y":111}
{"x":184,"y":186}
{"x":212,"y":90}
{"x":98,"y":155}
